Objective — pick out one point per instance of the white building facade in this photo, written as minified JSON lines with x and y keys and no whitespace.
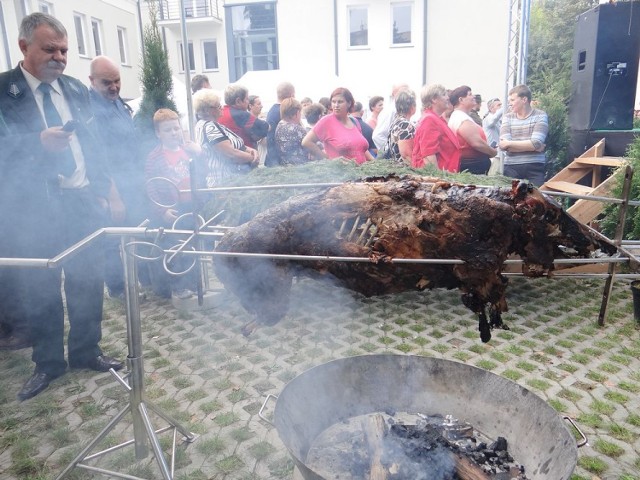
{"x":364,"y":45}
{"x":94,"y":27}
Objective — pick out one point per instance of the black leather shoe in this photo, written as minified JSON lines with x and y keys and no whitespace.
{"x":32,"y":387}
{"x":101,"y":363}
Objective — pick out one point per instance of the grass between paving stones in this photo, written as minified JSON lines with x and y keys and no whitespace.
{"x":230,"y":464}
{"x":608,"y":448}
{"x":593,"y":464}
{"x":548,"y":346}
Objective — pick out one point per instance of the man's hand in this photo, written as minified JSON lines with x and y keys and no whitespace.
{"x":118,"y":210}
{"x":541,"y":147}
{"x":55,"y":139}
{"x":192,"y":148}
{"x":169,"y":216}
{"x":254,"y":155}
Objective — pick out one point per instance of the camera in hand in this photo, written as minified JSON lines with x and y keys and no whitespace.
{"x":70,"y":126}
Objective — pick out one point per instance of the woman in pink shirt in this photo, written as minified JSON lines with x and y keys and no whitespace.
{"x":339,"y":132}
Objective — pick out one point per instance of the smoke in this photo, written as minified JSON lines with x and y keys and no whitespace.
{"x":343,"y":451}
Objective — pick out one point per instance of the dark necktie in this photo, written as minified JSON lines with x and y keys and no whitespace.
{"x":65,"y":162}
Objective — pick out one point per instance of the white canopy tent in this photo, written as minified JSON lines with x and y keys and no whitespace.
{"x":308,"y":84}
{"x":179,"y":95}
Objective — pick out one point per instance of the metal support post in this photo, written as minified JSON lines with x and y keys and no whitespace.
{"x":617,"y":241}
{"x":143,"y":431}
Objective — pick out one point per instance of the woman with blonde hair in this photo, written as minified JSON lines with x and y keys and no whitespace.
{"x":226,"y":153}
{"x":401,"y":130}
{"x":290,"y":132}
{"x":434,"y":142}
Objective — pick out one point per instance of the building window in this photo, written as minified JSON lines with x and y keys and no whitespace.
{"x":122,"y":43}
{"x":254,"y":42}
{"x":358,"y":27}
{"x":78,"y":20}
{"x":45,"y":7}
{"x":96,"y":31}
{"x":196,"y":8}
{"x":192,"y":63}
{"x":210,"y":54}
{"x":401,"y":14}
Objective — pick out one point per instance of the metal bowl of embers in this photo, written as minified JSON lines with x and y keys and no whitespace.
{"x":410,"y":417}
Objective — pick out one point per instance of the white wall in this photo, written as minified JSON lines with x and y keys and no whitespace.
{"x":306,"y":45}
{"x":111,"y":13}
{"x":467,"y":44}
{"x":372,"y":70}
{"x":197,"y":32}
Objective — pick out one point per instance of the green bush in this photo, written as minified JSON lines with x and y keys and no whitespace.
{"x":555,"y":105}
{"x":610,"y":218}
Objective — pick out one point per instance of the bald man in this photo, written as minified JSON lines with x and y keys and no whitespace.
{"x":55,"y":193}
{"x":117,"y":133}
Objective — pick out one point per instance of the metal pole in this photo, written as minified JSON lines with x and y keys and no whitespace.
{"x":187,"y":67}
{"x":196,"y":229}
{"x":507,"y":75}
{"x":142,"y":427}
{"x":134,"y":343}
{"x":523,"y":40}
{"x":617,"y":241}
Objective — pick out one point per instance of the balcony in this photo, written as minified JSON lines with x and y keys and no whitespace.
{"x":169,"y":10}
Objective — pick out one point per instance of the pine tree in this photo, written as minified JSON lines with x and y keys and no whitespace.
{"x":157,"y":83}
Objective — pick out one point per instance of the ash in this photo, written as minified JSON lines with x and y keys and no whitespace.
{"x":432,"y":445}
{"x":414,"y":447}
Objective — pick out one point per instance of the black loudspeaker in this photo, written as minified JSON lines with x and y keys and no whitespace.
{"x":604,"y":73}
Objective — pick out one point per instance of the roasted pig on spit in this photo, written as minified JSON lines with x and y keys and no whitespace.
{"x":412,"y":218}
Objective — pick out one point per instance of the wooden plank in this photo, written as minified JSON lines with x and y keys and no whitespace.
{"x":562,"y":268}
{"x":596,"y":151}
{"x":583,"y":269}
{"x":568,"y":175}
{"x":586,"y":211}
{"x":601,"y":161}
{"x":569,"y":187}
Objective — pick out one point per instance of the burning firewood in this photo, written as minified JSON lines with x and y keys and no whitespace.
{"x":373,"y":427}
{"x":467,"y":470}
{"x":412,"y":217}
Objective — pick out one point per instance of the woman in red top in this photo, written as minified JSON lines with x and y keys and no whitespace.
{"x":475,"y":153}
{"x":434,"y":142}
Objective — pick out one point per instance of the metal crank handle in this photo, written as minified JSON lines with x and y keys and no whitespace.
{"x":264,"y":404}
{"x":584,"y":440}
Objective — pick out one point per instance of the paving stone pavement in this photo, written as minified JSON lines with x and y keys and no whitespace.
{"x":202,"y":371}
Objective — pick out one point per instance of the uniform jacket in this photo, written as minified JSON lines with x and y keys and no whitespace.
{"x":29,"y":187}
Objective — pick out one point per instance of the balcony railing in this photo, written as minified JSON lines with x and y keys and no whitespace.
{"x":170,"y":9}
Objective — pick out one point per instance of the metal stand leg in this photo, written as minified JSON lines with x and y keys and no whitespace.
{"x":143,"y":430}
{"x":622,"y":217}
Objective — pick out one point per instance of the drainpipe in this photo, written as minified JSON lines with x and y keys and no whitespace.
{"x":187,"y":67}
{"x":335,"y":37}
{"x":424,"y":41}
{"x":140,"y":26}
{"x":5,"y":39}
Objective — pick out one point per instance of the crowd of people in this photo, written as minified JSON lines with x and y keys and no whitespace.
{"x":74,"y":164}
